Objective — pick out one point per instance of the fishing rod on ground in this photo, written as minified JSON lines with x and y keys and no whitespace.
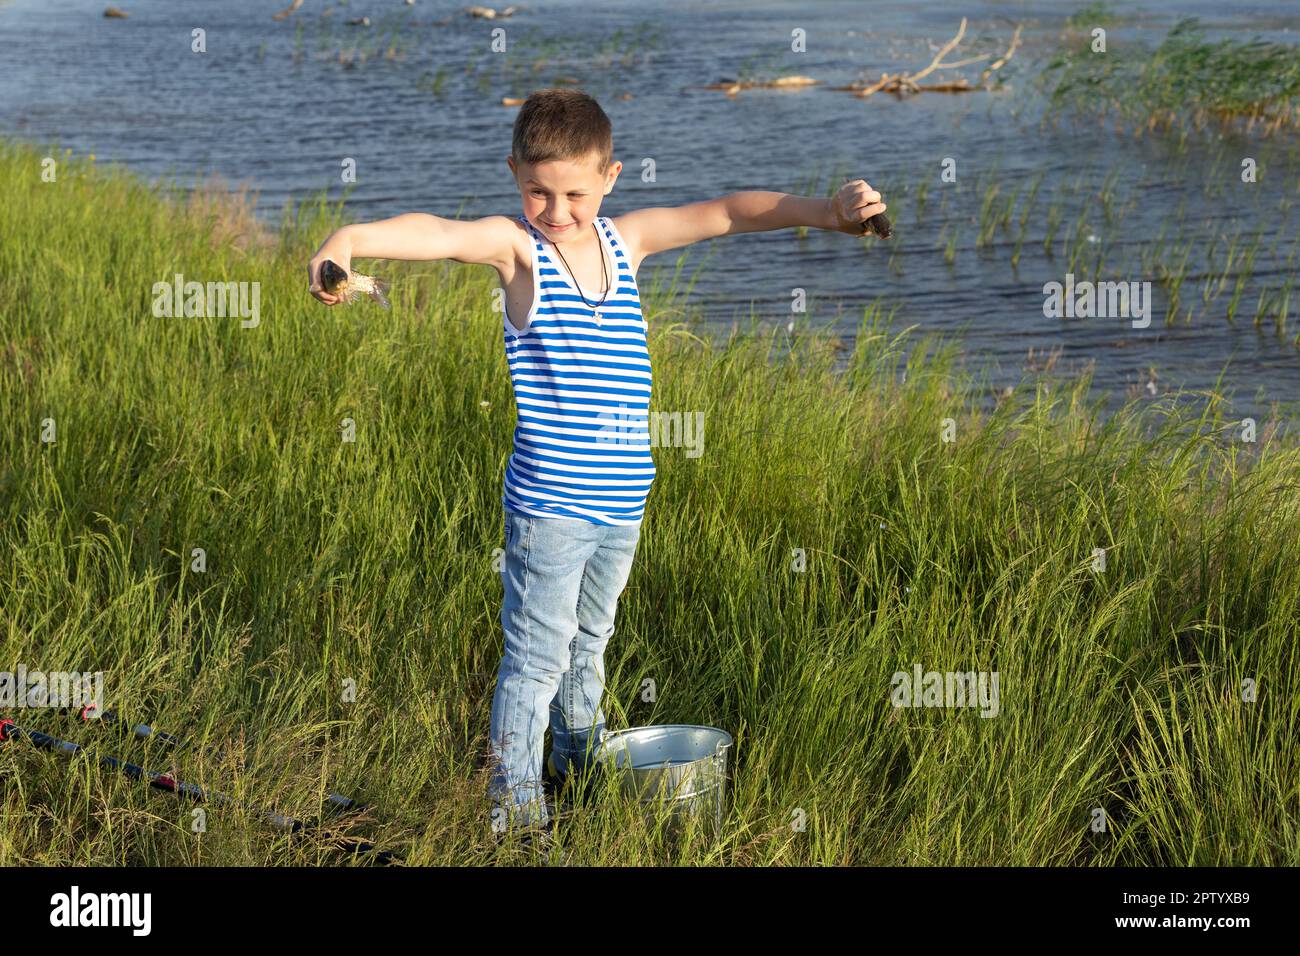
{"x":337,"y":804}
{"x":161,"y":781}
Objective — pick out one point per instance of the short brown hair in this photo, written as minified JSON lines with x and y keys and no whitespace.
{"x":562,"y":124}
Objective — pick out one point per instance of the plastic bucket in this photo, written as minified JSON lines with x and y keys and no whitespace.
{"x":678,"y":767}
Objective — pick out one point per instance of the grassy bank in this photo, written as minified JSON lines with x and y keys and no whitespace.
{"x":370,"y":562}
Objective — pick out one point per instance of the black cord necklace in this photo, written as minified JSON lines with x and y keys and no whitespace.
{"x":604,"y":275}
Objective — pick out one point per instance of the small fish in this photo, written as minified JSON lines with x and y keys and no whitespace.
{"x":879,"y":225}
{"x":337,"y":282}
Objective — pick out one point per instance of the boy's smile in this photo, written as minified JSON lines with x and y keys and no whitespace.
{"x":562,"y":197}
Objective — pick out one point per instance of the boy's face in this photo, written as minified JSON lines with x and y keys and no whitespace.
{"x":562,"y":197}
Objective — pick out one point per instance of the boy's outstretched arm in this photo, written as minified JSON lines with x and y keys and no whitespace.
{"x":417,"y":236}
{"x":660,"y":228}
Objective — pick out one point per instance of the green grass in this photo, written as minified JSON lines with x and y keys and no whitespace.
{"x":1091,"y":15}
{"x":1187,"y":82}
{"x":372,"y":561}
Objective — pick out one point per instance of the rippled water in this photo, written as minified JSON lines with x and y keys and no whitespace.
{"x":277,"y":103}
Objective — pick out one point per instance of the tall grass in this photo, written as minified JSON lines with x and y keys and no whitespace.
{"x":1187,"y":82}
{"x":371,"y":562}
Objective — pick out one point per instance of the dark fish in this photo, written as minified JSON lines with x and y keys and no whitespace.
{"x":879,"y":225}
{"x":335,"y":281}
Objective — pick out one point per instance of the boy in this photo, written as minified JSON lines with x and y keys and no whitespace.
{"x":575,"y":339}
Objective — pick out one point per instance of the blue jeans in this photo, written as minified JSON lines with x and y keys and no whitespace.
{"x":562,"y":579}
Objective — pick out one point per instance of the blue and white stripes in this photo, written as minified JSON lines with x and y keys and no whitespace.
{"x":582,"y":382}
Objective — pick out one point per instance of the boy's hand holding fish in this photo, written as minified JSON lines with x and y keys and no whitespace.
{"x":856,"y":209}
{"x":331,"y":279}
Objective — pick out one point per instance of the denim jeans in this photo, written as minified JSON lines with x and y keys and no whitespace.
{"x":562,"y":579}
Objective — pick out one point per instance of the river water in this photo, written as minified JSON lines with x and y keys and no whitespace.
{"x":281,"y":104}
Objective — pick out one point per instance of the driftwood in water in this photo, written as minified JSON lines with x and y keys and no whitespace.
{"x":287,"y":10}
{"x":487,"y":13}
{"x":732,"y":87}
{"x":896,"y":83}
{"x":900,"y":83}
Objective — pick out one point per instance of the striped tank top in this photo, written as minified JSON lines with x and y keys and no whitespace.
{"x":581,"y":378}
